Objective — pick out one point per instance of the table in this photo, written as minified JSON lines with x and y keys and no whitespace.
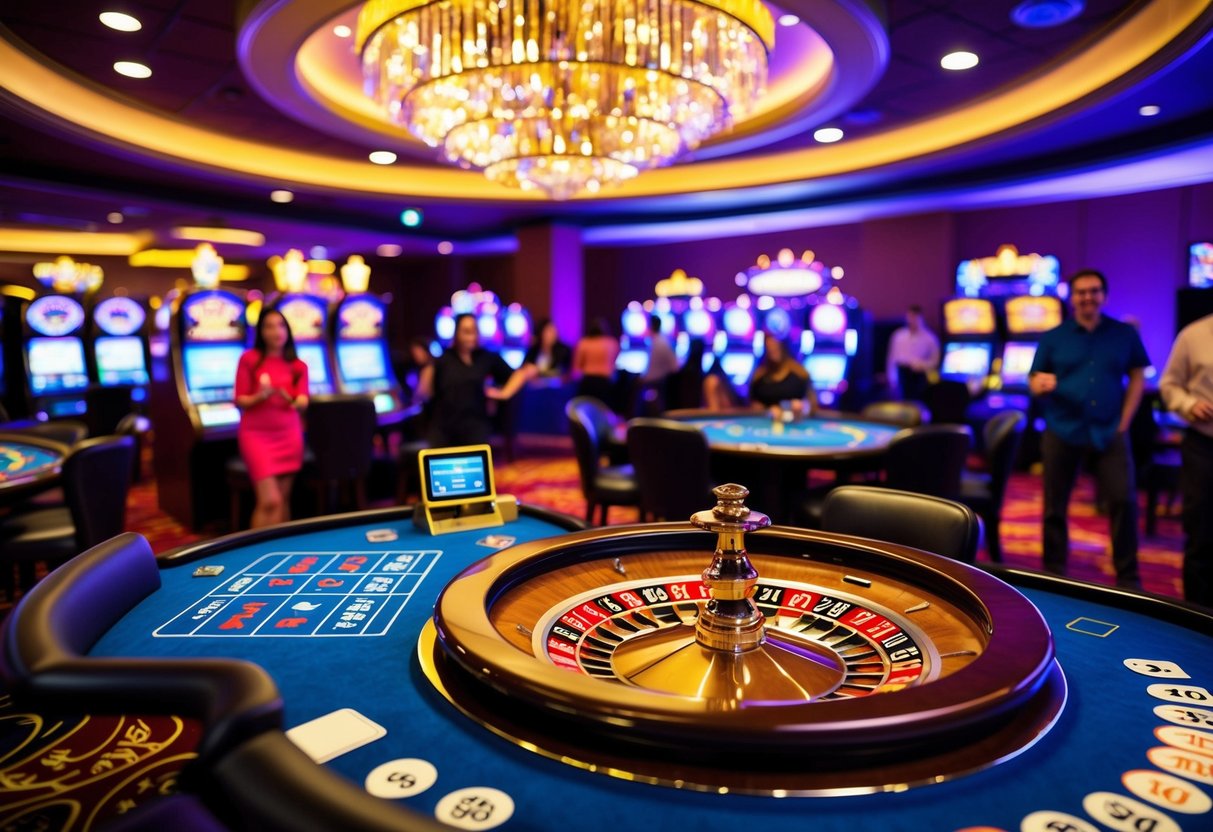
{"x":28,"y":464}
{"x":775,"y":457}
{"x":1125,"y":710}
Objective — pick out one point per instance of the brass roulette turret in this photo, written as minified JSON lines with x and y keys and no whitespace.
{"x":833,"y":664}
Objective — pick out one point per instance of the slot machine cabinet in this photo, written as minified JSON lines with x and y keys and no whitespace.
{"x":193,"y":405}
{"x":308,"y":317}
{"x":55,"y":363}
{"x":363,"y":362}
{"x":119,"y":346}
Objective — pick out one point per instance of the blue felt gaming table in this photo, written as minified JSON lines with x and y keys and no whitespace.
{"x":27,"y":464}
{"x":353,"y":611}
{"x":816,"y":440}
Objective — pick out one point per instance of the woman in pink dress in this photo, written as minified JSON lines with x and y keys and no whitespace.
{"x":271,"y":389}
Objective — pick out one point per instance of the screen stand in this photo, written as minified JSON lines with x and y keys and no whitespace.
{"x":461,"y":517}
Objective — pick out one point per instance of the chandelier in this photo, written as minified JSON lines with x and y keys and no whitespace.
{"x":564,"y":96}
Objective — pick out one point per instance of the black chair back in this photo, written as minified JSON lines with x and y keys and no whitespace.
{"x":929,"y":523}
{"x":902,"y":414}
{"x":64,"y":431}
{"x":1001,"y":436}
{"x":105,"y":407}
{"x":671,"y":460}
{"x":583,"y":428}
{"x":928,"y":459}
{"x":96,"y":480}
{"x":341,"y":433}
{"x":948,"y":400}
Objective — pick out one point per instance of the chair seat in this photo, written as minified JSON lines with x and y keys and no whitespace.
{"x":43,"y":534}
{"x":618,"y":482}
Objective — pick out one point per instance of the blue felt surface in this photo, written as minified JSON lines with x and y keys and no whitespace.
{"x":17,"y":459}
{"x":816,"y":434}
{"x":1105,"y":729}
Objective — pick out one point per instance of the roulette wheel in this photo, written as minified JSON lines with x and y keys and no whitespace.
{"x":785,"y":662}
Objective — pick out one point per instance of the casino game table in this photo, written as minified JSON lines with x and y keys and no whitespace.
{"x":28,"y":464}
{"x":340,"y":613}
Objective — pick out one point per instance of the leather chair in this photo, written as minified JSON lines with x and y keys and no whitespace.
{"x":341,"y":433}
{"x":928,"y":459}
{"x":901,"y":414}
{"x":671,"y":460}
{"x":607,"y":425}
{"x":932,"y":524}
{"x":96,"y":478}
{"x":105,"y":407}
{"x":605,"y":486}
{"x":985,"y":491}
{"x":65,"y":431}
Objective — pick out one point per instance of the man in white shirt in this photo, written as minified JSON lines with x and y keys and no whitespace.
{"x":913,"y":352}
{"x":1187,"y":388}
{"x":662,"y":360}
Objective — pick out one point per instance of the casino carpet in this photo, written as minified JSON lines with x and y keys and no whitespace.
{"x":74,"y":773}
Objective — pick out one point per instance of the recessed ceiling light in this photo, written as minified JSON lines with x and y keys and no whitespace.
{"x":383,"y":157}
{"x":114,"y":217}
{"x":788,"y":20}
{"x":958,"y":60}
{"x":410,"y":217}
{"x":446,"y":247}
{"x":389,"y":250}
{"x":318,"y":253}
{"x":1043,"y":14}
{"x":121,"y":22}
{"x":826,"y":135}
{"x":132,"y":69}
{"x":282,"y":196}
{"x":342,"y":31}
{"x":1148,"y":110}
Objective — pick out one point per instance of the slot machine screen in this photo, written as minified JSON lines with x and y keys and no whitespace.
{"x":210,"y":371}
{"x":1032,"y":314}
{"x":1017,"y":362}
{"x":1200,"y":265}
{"x":513,"y":357}
{"x":826,"y":369}
{"x":633,"y":361}
{"x":738,"y":366}
{"x":56,"y":364}
{"x":962,"y":360}
{"x":362,"y":361}
{"x":120,"y":360}
{"x":459,"y":475}
{"x":317,"y":368}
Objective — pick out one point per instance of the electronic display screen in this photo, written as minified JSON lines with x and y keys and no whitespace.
{"x":961,"y":360}
{"x":119,"y":316}
{"x":211,"y":367}
{"x":738,"y":366}
{"x":1017,"y":359}
{"x":56,"y":364}
{"x":1032,"y":314}
{"x":362,"y":361}
{"x":317,"y":367}
{"x":633,"y":361}
{"x":513,"y":357}
{"x":968,"y":316}
{"x":1200,"y":265}
{"x":827,"y":370}
{"x":460,"y":475}
{"x":120,"y":360}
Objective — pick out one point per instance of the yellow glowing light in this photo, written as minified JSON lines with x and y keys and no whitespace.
{"x":582,"y":110}
{"x":205,"y":265}
{"x":66,"y":276}
{"x":355,"y":274}
{"x":282,"y":196}
{"x":35,"y":241}
{"x":678,"y":285}
{"x":120,"y":22}
{"x":132,"y":69}
{"x":226,"y":236}
{"x":290,"y":272}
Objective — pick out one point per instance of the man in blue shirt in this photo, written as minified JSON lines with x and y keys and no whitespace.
{"x":1079,"y":373}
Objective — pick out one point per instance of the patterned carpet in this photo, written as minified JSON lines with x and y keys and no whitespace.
{"x":545,"y":474}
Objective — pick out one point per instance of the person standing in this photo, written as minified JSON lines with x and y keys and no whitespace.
{"x":1079,"y":374}
{"x":456,"y":386}
{"x":781,"y":379}
{"x":550,"y":356}
{"x":1187,"y":389}
{"x":271,"y":390}
{"x":594,"y":363}
{"x":662,"y":360}
{"x":913,"y":353}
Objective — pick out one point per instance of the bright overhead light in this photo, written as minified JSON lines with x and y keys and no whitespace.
{"x":282,"y":196}
{"x":226,"y":236}
{"x":1148,"y":110}
{"x":826,"y":135}
{"x":342,"y":31}
{"x":121,"y":22}
{"x":958,"y":60}
{"x":383,"y":157}
{"x":114,"y":217}
{"x":410,"y":217}
{"x":788,"y":20}
{"x":446,"y":247}
{"x":132,"y":69}
{"x":389,"y":250}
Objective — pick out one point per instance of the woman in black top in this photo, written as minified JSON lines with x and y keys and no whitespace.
{"x":781,"y":378}
{"x":456,"y":386}
{"x":550,"y":355}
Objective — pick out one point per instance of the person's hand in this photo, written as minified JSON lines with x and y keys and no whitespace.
{"x":1041,"y":383}
{"x":775,"y":412}
{"x":1202,"y":411}
{"x":494,"y":393}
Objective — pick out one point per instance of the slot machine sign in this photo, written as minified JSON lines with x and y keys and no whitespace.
{"x":213,"y":316}
{"x":305,"y":316}
{"x":360,"y":319}
{"x":55,"y":315}
{"x":119,"y":316}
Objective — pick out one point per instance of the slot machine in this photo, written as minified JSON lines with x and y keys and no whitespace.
{"x":120,"y":345}
{"x":363,"y":362}
{"x":739,"y":342}
{"x":837,"y":344}
{"x":193,"y":405}
{"x":308,"y":317}
{"x":633,"y":346}
{"x":1027,"y":317}
{"x":516,"y":334}
{"x":55,"y":363}
{"x":699,"y":324}
{"x":970,"y":338}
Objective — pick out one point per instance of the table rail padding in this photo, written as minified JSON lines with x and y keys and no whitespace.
{"x":43,"y":643}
